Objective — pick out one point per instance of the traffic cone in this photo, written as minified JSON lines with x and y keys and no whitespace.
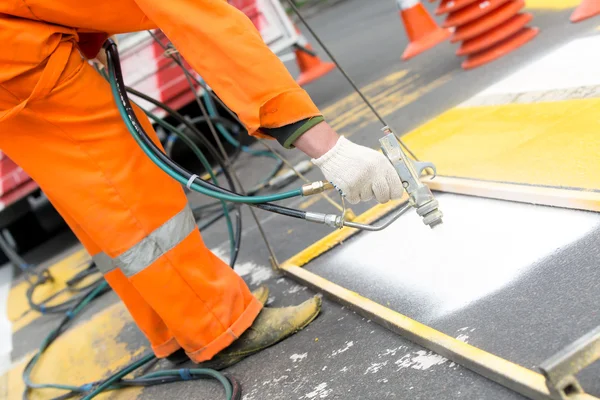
{"x":311,"y":66}
{"x":447,"y":6}
{"x":487,"y":22}
{"x":422,"y":31}
{"x":489,"y":29}
{"x":472,"y":12}
{"x":587,"y":9}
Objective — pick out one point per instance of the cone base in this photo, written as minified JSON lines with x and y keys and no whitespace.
{"x":487,"y":22}
{"x":425,"y":43}
{"x":315,"y":73}
{"x":585,"y":11}
{"x":490,"y":38}
{"x":501,"y":49}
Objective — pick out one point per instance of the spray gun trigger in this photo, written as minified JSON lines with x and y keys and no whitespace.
{"x":421,"y":166}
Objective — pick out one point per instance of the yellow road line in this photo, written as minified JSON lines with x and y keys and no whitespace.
{"x":552,"y":4}
{"x":553,"y":144}
{"x":19,"y":312}
{"x":388,"y":94}
{"x":88,"y":352}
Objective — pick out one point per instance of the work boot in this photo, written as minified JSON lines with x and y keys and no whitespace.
{"x":179,"y":357}
{"x":270,"y":327}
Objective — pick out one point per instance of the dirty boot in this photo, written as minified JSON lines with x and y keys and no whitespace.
{"x":271,"y":326}
{"x":179,"y":357}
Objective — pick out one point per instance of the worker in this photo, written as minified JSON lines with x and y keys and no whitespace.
{"x":60,"y":123}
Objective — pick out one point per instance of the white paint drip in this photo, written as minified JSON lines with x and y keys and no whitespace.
{"x":384,"y":380}
{"x":392,"y":352}
{"x":345,"y":369}
{"x":342,"y":350}
{"x":375,"y":367}
{"x":298,"y":357}
{"x":420,"y":360}
{"x":296,"y":289}
{"x":319,"y":392}
{"x":463,"y":338}
{"x":275,"y":380}
{"x":324,"y":368}
{"x":254,"y":273}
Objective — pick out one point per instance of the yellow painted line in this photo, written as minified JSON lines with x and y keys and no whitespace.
{"x":551,"y":144}
{"x":19,"y":312}
{"x":88,"y":352}
{"x":552,"y":4}
{"x":388,"y":95}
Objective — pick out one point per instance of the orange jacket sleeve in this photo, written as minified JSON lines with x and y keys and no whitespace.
{"x":223,"y":46}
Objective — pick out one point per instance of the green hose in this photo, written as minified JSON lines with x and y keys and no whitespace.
{"x":181,"y":179}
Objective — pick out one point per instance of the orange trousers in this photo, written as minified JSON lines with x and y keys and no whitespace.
{"x":58,"y":121}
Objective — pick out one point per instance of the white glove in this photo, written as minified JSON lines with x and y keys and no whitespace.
{"x":360,"y":173}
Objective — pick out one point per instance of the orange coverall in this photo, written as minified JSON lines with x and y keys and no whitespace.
{"x":59,"y":122}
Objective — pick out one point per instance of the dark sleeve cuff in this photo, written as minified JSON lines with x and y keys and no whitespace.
{"x":288,"y":134}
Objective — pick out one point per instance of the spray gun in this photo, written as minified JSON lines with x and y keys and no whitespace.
{"x":420,"y":197}
{"x":409,"y":171}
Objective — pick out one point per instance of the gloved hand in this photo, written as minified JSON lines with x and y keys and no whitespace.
{"x":360,"y":173}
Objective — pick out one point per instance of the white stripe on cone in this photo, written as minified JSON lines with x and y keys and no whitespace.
{"x":406,"y":4}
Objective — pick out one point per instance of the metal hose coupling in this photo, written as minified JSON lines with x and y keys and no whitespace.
{"x":316,"y":187}
{"x":420,"y":197}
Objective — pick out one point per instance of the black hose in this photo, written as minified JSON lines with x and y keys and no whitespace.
{"x":113,"y":58}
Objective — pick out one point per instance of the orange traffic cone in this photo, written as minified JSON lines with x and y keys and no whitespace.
{"x":423,"y":32}
{"x":452,"y":5}
{"x":587,"y":9}
{"x":311,"y":66}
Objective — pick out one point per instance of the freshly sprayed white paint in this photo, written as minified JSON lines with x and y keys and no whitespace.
{"x":5,"y":325}
{"x":574,"y":65}
{"x":483,"y":246}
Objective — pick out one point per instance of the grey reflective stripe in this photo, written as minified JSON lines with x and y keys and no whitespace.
{"x":163,"y":239}
{"x":104,"y":263}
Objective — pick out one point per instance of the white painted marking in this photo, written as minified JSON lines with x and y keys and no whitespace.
{"x":483,"y":246}
{"x":5,"y":325}
{"x":298,"y":357}
{"x":573,"y":65}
